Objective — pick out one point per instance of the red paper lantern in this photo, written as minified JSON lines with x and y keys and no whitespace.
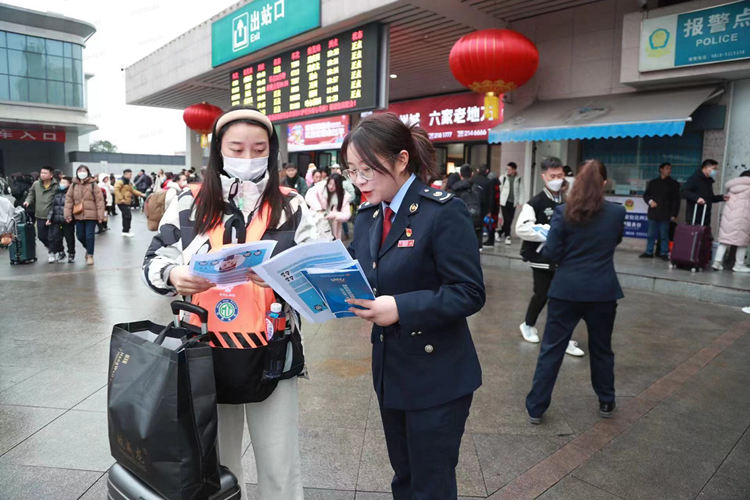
{"x":492,"y":62}
{"x":200,"y":118}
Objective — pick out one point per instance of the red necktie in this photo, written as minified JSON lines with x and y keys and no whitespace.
{"x":387,"y":215}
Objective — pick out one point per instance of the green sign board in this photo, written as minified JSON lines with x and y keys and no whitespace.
{"x":259,"y":24}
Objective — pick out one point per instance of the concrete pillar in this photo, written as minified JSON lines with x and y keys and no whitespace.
{"x":528,"y":171}
{"x":282,"y":132}
{"x":193,"y":150}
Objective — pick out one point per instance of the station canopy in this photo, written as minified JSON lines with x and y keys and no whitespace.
{"x":635,"y":114}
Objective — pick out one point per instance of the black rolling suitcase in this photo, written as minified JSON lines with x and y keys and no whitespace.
{"x":23,"y":247}
{"x":122,"y":485}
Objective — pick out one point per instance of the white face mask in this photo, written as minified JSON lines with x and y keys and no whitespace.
{"x":82,"y":174}
{"x":245,"y":169}
{"x":555,"y":184}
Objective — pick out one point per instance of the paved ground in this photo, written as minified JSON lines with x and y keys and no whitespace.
{"x":682,"y":372}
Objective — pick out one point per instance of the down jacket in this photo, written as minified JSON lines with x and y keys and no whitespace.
{"x":88,"y":192}
{"x":734,"y":228}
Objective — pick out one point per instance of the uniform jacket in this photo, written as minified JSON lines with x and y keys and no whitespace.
{"x":124,"y":192}
{"x":430,"y":264}
{"x":535,"y":214}
{"x":88,"y":192}
{"x":505,"y":183}
{"x":734,"y":228}
{"x":666,"y":194}
{"x":56,"y":213}
{"x":699,"y":186}
{"x":585,"y":255}
{"x":41,"y":198}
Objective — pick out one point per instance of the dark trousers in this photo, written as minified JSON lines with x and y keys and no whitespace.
{"x":542,"y":281}
{"x":562,"y":318}
{"x":423,"y":449}
{"x":509,"y":211}
{"x":56,"y":234}
{"x":658,"y":229}
{"x":479,"y":231}
{"x":111,"y":209}
{"x":85,"y":231}
{"x":42,"y":231}
{"x":126,"y":217}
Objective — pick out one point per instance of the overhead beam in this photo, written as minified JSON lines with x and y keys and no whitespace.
{"x":460,"y":12}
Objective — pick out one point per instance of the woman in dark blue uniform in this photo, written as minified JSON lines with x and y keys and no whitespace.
{"x":418,"y":248}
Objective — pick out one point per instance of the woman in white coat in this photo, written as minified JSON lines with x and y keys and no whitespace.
{"x":734,"y":229}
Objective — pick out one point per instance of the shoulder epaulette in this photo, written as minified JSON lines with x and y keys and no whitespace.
{"x":435,"y":194}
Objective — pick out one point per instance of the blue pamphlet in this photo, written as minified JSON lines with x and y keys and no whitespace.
{"x":335,"y":286}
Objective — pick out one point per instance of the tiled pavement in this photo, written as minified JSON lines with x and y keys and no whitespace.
{"x":680,"y":431}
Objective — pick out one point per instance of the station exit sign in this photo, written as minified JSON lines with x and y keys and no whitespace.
{"x":259,"y":24}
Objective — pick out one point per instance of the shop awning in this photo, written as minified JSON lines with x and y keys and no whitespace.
{"x":635,"y":114}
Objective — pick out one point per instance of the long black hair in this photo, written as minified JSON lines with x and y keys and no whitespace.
{"x":385,"y":135}
{"x":338,"y":181}
{"x":210,"y":206}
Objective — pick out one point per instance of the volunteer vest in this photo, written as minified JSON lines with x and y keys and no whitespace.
{"x":237,"y":315}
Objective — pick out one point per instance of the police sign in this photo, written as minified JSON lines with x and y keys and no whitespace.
{"x":259,"y":24}
{"x":703,"y":36}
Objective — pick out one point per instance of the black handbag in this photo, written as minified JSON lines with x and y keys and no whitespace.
{"x":161,"y":405}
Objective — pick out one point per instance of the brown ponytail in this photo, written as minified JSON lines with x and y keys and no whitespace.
{"x":586,"y":198}
{"x":383,"y":136}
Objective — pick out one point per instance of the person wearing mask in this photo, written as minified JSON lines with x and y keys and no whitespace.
{"x":59,"y":228}
{"x":663,"y":198}
{"x":292,"y":179}
{"x":241,"y":201}
{"x":734,"y":229}
{"x":698,"y":190}
{"x":84,"y":203}
{"x":583,"y":235}
{"x":511,"y":193}
{"x":418,"y":250}
{"x":338,"y":201}
{"x":532,"y":225}
{"x":40,"y":196}
{"x":124,"y":192}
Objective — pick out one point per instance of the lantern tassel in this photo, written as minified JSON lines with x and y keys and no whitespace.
{"x":204,"y":141}
{"x":491,"y":106}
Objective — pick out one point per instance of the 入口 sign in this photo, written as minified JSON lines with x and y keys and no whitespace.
{"x":259,"y":24}
{"x":705,"y":36}
{"x":32,"y":135}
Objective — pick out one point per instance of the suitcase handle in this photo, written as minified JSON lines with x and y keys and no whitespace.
{"x":181,"y":305}
{"x":695,"y":212}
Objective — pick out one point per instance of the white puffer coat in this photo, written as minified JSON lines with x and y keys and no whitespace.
{"x":734,"y":228}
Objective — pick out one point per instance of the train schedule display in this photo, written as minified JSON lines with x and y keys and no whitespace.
{"x":340,"y":74}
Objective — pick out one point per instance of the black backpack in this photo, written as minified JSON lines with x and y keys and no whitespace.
{"x":472,"y":198}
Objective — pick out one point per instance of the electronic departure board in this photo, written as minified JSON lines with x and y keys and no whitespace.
{"x":341,"y":74}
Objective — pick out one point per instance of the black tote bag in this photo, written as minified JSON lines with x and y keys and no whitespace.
{"x":161,"y":405}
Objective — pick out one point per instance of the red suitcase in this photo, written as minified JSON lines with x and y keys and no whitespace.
{"x":692,"y":244}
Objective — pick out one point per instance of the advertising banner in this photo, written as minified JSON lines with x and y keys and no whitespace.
{"x":449,"y":118}
{"x":313,"y":135}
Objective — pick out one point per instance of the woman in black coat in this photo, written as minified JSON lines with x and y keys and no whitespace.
{"x":584,"y":233}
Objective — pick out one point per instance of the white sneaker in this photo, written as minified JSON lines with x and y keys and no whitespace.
{"x":507,"y":240}
{"x":573,"y":349}
{"x":717,"y":266}
{"x":52,"y":258}
{"x":746,"y":310}
{"x":129,"y":234}
{"x":530,"y":333}
{"x":740,"y":268}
